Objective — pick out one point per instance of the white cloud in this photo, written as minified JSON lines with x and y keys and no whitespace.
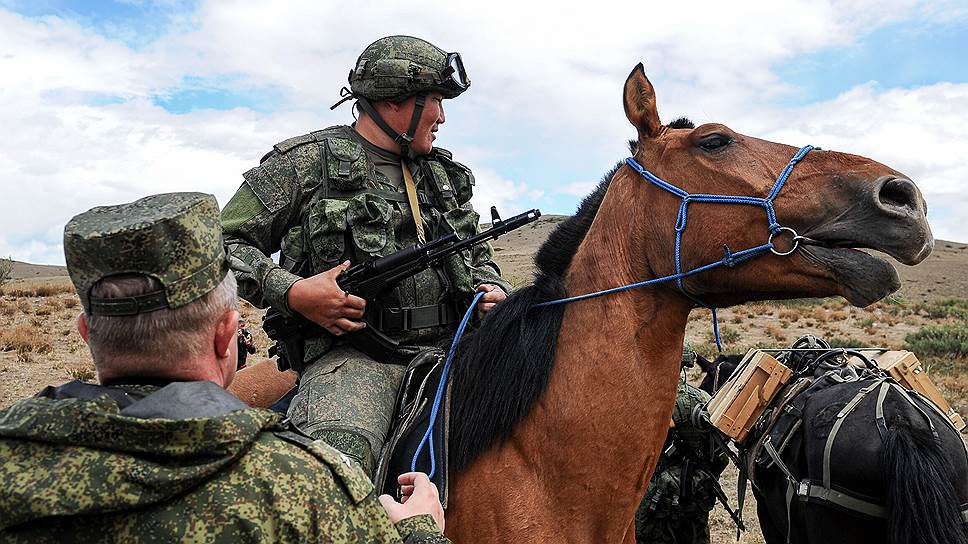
{"x":919,"y":132}
{"x":578,"y":188}
{"x":545,"y":104}
{"x":492,"y":189}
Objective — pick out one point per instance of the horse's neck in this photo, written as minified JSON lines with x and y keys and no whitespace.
{"x":618,"y":355}
{"x":609,"y":401}
{"x":586,"y":451}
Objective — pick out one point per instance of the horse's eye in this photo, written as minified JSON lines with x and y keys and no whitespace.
{"x":714,"y":141}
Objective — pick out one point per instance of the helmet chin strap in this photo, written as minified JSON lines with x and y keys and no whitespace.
{"x":403,"y":140}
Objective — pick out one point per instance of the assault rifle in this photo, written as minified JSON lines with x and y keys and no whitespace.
{"x":372,"y":278}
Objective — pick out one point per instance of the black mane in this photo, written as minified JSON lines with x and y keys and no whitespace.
{"x":503,"y":367}
{"x":682,"y":122}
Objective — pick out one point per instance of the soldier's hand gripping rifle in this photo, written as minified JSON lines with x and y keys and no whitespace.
{"x":368,"y":280}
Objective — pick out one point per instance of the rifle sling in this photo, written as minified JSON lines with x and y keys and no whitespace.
{"x":412,"y":200}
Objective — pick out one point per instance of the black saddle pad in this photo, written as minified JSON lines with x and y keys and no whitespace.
{"x":408,"y":437}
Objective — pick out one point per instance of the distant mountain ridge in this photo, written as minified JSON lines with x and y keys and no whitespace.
{"x":944,"y":274}
{"x":22,"y":270}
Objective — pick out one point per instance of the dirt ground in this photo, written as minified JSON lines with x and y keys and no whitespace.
{"x":39,"y":345}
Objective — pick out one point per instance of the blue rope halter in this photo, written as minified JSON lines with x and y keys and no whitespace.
{"x":730,"y":258}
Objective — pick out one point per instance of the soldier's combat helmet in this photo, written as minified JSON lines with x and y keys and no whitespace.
{"x":398,"y":67}
{"x":175,"y":238}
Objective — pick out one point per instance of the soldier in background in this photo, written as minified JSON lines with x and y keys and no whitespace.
{"x":246,"y":343}
{"x":350,"y":194}
{"x":159,"y":451}
{"x":685,"y":483}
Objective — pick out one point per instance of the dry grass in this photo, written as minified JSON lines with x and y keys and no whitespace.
{"x":821,"y":315}
{"x":789,"y":315}
{"x":48,"y":289}
{"x":760,"y":309}
{"x":83,"y":372}
{"x":25,"y":340}
{"x":775,"y":332}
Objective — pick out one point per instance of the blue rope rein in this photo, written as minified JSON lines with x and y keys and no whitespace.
{"x":428,"y":437}
{"x":730,"y":258}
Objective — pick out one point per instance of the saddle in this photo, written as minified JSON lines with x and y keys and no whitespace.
{"x":411,"y":445}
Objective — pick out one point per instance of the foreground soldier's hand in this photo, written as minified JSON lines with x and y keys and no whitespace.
{"x":419,"y":497}
{"x":319,"y":299}
{"x":494,"y":294}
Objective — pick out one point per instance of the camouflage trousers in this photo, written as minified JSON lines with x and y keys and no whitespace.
{"x":347,"y":398}
{"x":686,"y":528}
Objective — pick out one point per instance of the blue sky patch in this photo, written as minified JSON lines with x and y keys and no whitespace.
{"x":902,"y":55}
{"x":135,"y":23}
{"x":206,"y":94}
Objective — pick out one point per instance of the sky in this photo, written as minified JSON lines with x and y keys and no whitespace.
{"x":105,"y":102}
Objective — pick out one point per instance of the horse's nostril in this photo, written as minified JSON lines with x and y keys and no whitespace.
{"x":898,"y":194}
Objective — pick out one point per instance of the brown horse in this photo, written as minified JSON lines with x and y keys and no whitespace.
{"x":559,"y":412}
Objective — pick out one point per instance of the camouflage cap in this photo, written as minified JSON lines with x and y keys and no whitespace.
{"x":173,"y":237}
{"x":396,"y":67}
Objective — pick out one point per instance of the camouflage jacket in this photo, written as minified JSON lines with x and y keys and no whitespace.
{"x":187,"y":462}
{"x":319,"y":199}
{"x":690,"y":452}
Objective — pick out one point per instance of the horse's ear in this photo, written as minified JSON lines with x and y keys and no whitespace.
{"x":640,"y":103}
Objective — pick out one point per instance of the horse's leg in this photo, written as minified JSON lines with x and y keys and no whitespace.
{"x":771,"y":532}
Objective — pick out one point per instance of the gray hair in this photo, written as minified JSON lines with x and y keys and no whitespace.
{"x":153,"y":342}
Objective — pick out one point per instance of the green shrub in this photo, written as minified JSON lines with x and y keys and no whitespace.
{"x":727,"y":335}
{"x":838,"y":342}
{"x":6,"y":269}
{"x":951,"y":307}
{"x":939,"y":340}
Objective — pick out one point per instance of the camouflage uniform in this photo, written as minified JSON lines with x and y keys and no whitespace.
{"x":141,"y":460}
{"x":680,"y":496}
{"x":183,"y":463}
{"x":330,"y":196}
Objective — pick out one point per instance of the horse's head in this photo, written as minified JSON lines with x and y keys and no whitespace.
{"x":717,"y":371}
{"x":838,"y":201}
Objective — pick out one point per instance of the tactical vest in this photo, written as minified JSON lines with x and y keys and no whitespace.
{"x":351,"y":215}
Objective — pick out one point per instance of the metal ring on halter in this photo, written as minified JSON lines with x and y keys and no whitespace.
{"x":796,"y":241}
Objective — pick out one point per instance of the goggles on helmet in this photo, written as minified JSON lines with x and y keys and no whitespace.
{"x":453,"y":76}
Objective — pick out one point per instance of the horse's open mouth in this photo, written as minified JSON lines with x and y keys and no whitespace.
{"x":864,"y":277}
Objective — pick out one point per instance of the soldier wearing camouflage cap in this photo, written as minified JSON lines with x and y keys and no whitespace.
{"x":158,"y":451}
{"x":352,"y":194}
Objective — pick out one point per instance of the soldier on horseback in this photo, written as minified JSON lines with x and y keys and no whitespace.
{"x":352,"y":194}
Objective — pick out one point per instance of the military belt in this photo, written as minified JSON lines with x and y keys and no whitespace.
{"x":411,"y":318}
